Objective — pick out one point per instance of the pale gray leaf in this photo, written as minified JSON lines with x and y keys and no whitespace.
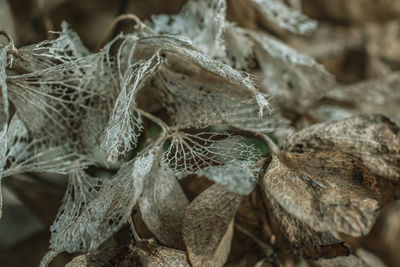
{"x":183,"y":59}
{"x":4,"y":113}
{"x":239,"y":48}
{"x":93,"y":209}
{"x":124,"y":126}
{"x":279,"y":13}
{"x":55,"y":98}
{"x":65,"y":48}
{"x":246,"y":117}
{"x":238,"y":177}
{"x":202,"y":21}
{"x":188,"y":153}
{"x":294,"y":80}
{"x":41,"y":154}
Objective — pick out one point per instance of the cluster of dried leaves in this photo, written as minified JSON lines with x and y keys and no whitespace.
{"x":201,"y":138}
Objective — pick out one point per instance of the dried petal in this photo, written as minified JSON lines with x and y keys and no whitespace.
{"x":293,"y":79}
{"x":93,"y":208}
{"x":202,"y":21}
{"x":291,"y":232}
{"x":42,"y":154}
{"x":188,"y":153}
{"x":238,"y":177}
{"x":124,"y":126}
{"x":153,"y":255}
{"x":373,"y":138}
{"x":65,"y":48}
{"x":207,"y":226}
{"x":329,"y":191}
{"x":143,"y":254}
{"x":162,"y":205}
{"x":350,"y":260}
{"x":277,"y":12}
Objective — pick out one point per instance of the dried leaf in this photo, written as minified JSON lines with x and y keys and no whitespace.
{"x":3,"y":113}
{"x":204,"y":28}
{"x":93,"y":208}
{"x":41,"y":154}
{"x":124,"y":126}
{"x":112,"y":256}
{"x":242,"y":13}
{"x":178,"y":73}
{"x":181,"y":93}
{"x":189,"y":153}
{"x":293,"y":79}
{"x":291,"y":232}
{"x":343,"y":261}
{"x":372,"y":96}
{"x":277,"y":12}
{"x":329,"y":41}
{"x":245,"y":118}
{"x":329,"y":191}
{"x":373,"y":138}
{"x":207,"y":226}
{"x":143,"y":254}
{"x":238,"y":177}
{"x":239,"y":48}
{"x":65,"y":48}
{"x":182,"y":58}
{"x":153,"y":255}
{"x":162,"y":205}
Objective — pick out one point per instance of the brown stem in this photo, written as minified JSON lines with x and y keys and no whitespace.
{"x":13,"y":51}
{"x":133,"y":230}
{"x":112,"y":26}
{"x":8,"y":37}
{"x":268,"y":250}
{"x":153,"y":118}
{"x":47,"y":23}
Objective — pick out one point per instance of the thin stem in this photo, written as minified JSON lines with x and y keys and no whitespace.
{"x":112,"y":26}
{"x":48,"y":24}
{"x":153,"y":118}
{"x":266,"y":248}
{"x":267,"y":140}
{"x":13,"y":51}
{"x":133,"y":230}
{"x":9,"y":38}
